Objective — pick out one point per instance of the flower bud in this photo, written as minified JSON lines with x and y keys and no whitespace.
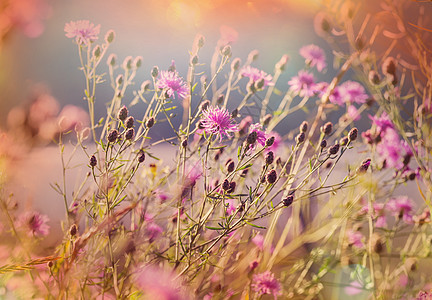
{"x":112,"y":136}
{"x":220,"y":99}
{"x":127,"y":63}
{"x":145,"y":86}
{"x":141,"y":156}
{"x":323,"y":143}
{"x":155,"y":72}
{"x":334,"y":149}
{"x":232,"y":187}
{"x":199,"y":40}
{"x":226,"y":51}
{"x":230,"y":165}
{"x":352,"y":135}
{"x":93,"y":161}
{"x":234,"y":113}
{"x":129,"y":123}
{"x":138,"y":61}
{"x":327,"y":128}
{"x":73,"y":230}
{"x":226,"y":185}
{"x":150,"y":122}
{"x":267,"y":118}
{"x":194,"y":60}
{"x":389,"y":66}
{"x":288,"y":200}
{"x":300,"y":138}
{"x":253,"y":55}
{"x":119,"y":80}
{"x":204,"y":105}
{"x":112,"y":60}
{"x":129,"y":134}
{"x":281,"y":64}
{"x":252,"y":138}
{"x":374,"y":77}
{"x":269,"y":142}
{"x":269,"y":158}
{"x":364,"y":166}
{"x":235,"y":65}
{"x":343,"y":141}
{"x":122,"y":113}
{"x":97,"y":51}
{"x":259,"y":84}
{"x":271,"y":176}
{"x":304,"y":126}
{"x":109,"y":36}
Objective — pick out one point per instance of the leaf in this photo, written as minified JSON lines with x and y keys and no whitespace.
{"x":245,"y":167}
{"x":254,"y":225}
{"x":194,"y":86}
{"x":213,"y":228}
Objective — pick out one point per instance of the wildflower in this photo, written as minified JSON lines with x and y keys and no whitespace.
{"x":303,"y":84}
{"x":34,"y":223}
{"x":354,"y":288}
{"x":353,"y":92}
{"x":402,"y":208}
{"x":353,"y":113}
{"x":314,"y":56}
{"x":355,"y":238}
{"x":265,"y":283}
{"x":256,"y":75}
{"x":83,"y":31}
{"x":157,"y":283}
{"x":261,"y":136}
{"x":218,"y":121}
{"x":172,"y":83}
{"x":112,"y":136}
{"x":258,"y":240}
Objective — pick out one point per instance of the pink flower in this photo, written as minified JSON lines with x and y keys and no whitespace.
{"x":265,"y":283}
{"x":382,"y":123}
{"x":353,"y":92}
{"x":303,"y":84}
{"x":218,"y":121}
{"x":378,"y":214}
{"x":34,"y":223}
{"x":401,"y":207}
{"x":261,"y":136}
{"x":228,"y":35}
{"x":355,"y":238}
{"x":314,"y":56}
{"x":276,"y":143}
{"x":83,"y":31}
{"x":172,"y":83}
{"x":258,"y":240}
{"x":256,"y":75}
{"x":353,"y":113}
{"x":354,"y":288}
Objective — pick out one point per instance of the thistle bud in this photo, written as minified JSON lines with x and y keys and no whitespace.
{"x":111,"y":61}
{"x":129,"y":123}
{"x":411,"y":264}
{"x":73,"y":230}
{"x":199,"y":40}
{"x":184,"y":143}
{"x":226,"y":185}
{"x":127,"y":63}
{"x":327,"y":128}
{"x":145,"y":86}
{"x":109,"y":36}
{"x":97,"y":51}
{"x":141,"y":156}
{"x":150,"y":122}
{"x":253,"y":55}
{"x":235,"y":65}
{"x":269,"y":158}
{"x":300,"y":138}
{"x":93,"y":161}
{"x":389,"y":66}
{"x":155,"y":72}
{"x":267,"y":118}
{"x":122,"y":113}
{"x":334,"y":149}
{"x":129,"y":134}
{"x":259,"y":84}
{"x":112,"y":136}
{"x":226,"y":51}
{"x":323,"y":144}
{"x":252,"y":138}
{"x":234,"y":113}
{"x":270,"y":141}
{"x":220,"y":99}
{"x":230,"y":165}
{"x":343,"y":141}
{"x":281,"y":64}
{"x":364,"y":166}
{"x":288,"y":200}
{"x":374,"y":77}
{"x":353,"y":134}
{"x":119,"y":80}
{"x":271,"y":176}
{"x":304,"y":126}
{"x":204,"y":105}
{"x":194,"y":60}
{"x":232,"y":187}
{"x":138,"y":61}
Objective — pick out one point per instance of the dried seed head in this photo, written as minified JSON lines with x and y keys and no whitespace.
{"x":226,"y":185}
{"x":267,"y":118}
{"x":150,"y":122}
{"x":230,"y":165}
{"x":374,"y":77}
{"x":353,"y":134}
{"x":122,"y":113}
{"x":304,"y":126}
{"x":235,"y":65}
{"x":269,"y":158}
{"x":252,"y":138}
{"x":141,"y":156}
{"x":300,"y":138}
{"x":93,"y":161}
{"x":269,"y":142}
{"x":271,"y":176}
{"x":334,"y":149}
{"x":323,"y":143}
{"x":288,"y":200}
{"x":129,"y":134}
{"x":327,"y":128}
{"x":112,"y":135}
{"x":73,"y":230}
{"x":129,"y":122}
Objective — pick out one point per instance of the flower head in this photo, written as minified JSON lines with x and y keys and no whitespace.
{"x":172,"y":83}
{"x":218,"y":121}
{"x":355,"y":238}
{"x":401,"y":207}
{"x":265,"y":283}
{"x":314,"y":56}
{"x":256,"y":75}
{"x":83,"y":31}
{"x":353,"y":92}
{"x":34,"y":223}
{"x":261,"y":136}
{"x":303,"y":83}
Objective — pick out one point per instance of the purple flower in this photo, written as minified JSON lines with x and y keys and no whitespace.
{"x":355,"y":238}
{"x":265,"y":283}
{"x":378,"y":214}
{"x":353,"y":113}
{"x":382,"y":123}
{"x":303,"y":84}
{"x":83,"y":31}
{"x":34,"y":223}
{"x":172,"y":83}
{"x":353,"y":92}
{"x":218,"y":121}
{"x":314,"y":56}
{"x":401,"y":207}
{"x":261,"y":136}
{"x":256,"y":75}
{"x":157,"y":283}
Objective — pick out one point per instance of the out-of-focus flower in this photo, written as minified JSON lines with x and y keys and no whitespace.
{"x":353,"y":92}
{"x":354,"y":288}
{"x":402,"y":207}
{"x":258,"y":240}
{"x":261,"y":136}
{"x":218,"y":121}
{"x":82,"y":31}
{"x":34,"y":223}
{"x":303,"y":84}
{"x":172,"y":83}
{"x":266,"y":283}
{"x":228,"y":36}
{"x":73,"y":117}
{"x":256,"y":75}
{"x":355,"y":238}
{"x":314,"y":56}
{"x":352,"y":113}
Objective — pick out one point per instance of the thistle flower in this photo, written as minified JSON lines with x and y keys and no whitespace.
{"x":172,"y":83}
{"x":303,"y":84}
{"x":353,"y":92}
{"x":83,"y":31}
{"x":266,"y":283}
{"x":261,"y":136}
{"x":314,"y":56}
{"x":34,"y":223}
{"x":355,"y":238}
{"x":218,"y":121}
{"x":402,"y":208}
{"x":122,"y":113}
{"x":256,"y":75}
